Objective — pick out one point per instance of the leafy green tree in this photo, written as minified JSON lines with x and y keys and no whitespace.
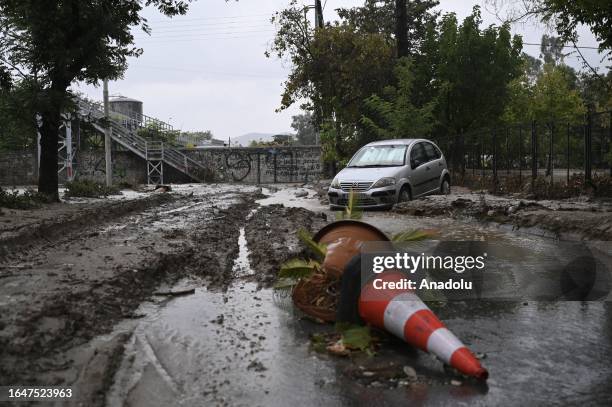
{"x":518,"y":106}
{"x":379,"y":17}
{"x":393,"y":115}
{"x":333,"y":71}
{"x":474,"y":69}
{"x":567,"y":15}
{"x":551,"y":49}
{"x":531,"y":67}
{"x":554,"y":99}
{"x":595,"y":96}
{"x":154,"y":132}
{"x":18,"y":117}
{"x":56,"y":43}
{"x":305,"y":128}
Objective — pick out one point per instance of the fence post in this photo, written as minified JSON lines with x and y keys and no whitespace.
{"x":534,"y":153}
{"x":610,"y":142}
{"x":258,"y":167}
{"x":507,"y":152}
{"x":568,"y":153}
{"x":473,"y":161}
{"x":551,"y":153}
{"x":275,"y":167}
{"x":481,"y":158}
{"x":521,"y":155}
{"x":587,"y":149}
{"x":495,"y":159}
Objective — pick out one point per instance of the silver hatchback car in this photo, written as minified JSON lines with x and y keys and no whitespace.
{"x":390,"y":171}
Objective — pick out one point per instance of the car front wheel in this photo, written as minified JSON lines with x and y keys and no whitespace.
{"x":404,"y":195}
{"x":445,"y":188}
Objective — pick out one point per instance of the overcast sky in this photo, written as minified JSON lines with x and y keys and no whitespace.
{"x":207,"y":70}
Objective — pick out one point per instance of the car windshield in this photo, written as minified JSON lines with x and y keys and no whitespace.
{"x":379,"y":156}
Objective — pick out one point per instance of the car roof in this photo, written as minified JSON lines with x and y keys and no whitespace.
{"x":401,"y":141}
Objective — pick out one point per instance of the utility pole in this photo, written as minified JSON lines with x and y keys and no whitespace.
{"x":401,"y":28}
{"x":319,"y":23}
{"x":107,"y":137}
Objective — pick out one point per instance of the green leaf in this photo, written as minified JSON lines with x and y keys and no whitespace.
{"x":297,"y":268}
{"x":318,"y":249}
{"x":285,"y":283}
{"x":351,"y":211}
{"x":357,"y":337}
{"x":318,"y":343}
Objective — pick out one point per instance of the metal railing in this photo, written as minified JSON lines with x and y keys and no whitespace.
{"x":554,"y":149}
{"x":150,"y":150}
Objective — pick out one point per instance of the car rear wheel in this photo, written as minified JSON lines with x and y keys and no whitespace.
{"x":445,"y":188}
{"x":404,"y":195}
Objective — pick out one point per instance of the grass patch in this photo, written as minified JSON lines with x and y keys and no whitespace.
{"x":28,"y":200}
{"x":89,"y":189}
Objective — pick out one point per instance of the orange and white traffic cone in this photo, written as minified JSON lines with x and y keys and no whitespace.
{"x":402,"y":313}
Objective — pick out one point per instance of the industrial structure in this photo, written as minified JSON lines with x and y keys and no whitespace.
{"x":125,"y":120}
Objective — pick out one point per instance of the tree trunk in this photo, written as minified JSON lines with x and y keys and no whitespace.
{"x":49,"y":131}
{"x":401,"y":28}
{"x":47,"y":177}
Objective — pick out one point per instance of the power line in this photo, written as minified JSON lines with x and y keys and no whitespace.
{"x":187,"y":39}
{"x":225,"y":23}
{"x":204,"y":31}
{"x":203,"y":36}
{"x":564,"y":46}
{"x":197,"y":70}
{"x":169,"y":21}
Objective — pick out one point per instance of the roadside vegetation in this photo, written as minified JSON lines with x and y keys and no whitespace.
{"x":384,"y":69}
{"x":377,"y":73}
{"x":89,"y":189}
{"x":22,"y":200}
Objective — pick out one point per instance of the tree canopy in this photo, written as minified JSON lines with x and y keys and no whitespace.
{"x":54,"y":43}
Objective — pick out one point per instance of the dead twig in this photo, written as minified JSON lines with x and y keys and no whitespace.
{"x":175,"y":293}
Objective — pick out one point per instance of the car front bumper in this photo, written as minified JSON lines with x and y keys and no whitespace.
{"x":372,"y":198}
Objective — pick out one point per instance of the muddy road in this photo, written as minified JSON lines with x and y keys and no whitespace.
{"x":91,"y":307}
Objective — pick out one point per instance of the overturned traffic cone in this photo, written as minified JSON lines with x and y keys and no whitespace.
{"x":402,"y":313}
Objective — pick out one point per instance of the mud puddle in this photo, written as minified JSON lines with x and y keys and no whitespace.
{"x":292,"y":197}
{"x":240,"y":344}
{"x":239,"y":347}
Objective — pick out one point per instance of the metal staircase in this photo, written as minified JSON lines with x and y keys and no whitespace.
{"x":155,"y":153}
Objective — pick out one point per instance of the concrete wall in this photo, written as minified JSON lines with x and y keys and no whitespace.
{"x":247,"y":165}
{"x":127,"y":167}
{"x":260,"y":164}
{"x":19,"y":168}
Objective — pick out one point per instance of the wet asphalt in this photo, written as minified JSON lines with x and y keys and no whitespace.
{"x":248,"y":347}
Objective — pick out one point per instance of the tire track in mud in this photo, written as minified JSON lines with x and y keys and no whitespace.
{"x":38,"y":330}
{"x":29,"y":236}
{"x":271,"y":235}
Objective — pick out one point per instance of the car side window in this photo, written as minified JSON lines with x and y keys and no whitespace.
{"x":418,"y":156}
{"x":432,"y":152}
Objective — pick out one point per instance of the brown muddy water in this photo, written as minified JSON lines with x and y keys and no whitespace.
{"x":246,"y":346}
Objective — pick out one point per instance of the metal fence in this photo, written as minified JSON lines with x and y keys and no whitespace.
{"x":555,"y":149}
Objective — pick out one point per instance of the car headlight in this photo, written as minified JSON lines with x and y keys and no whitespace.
{"x":384,"y":182}
{"x":335,"y":184}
